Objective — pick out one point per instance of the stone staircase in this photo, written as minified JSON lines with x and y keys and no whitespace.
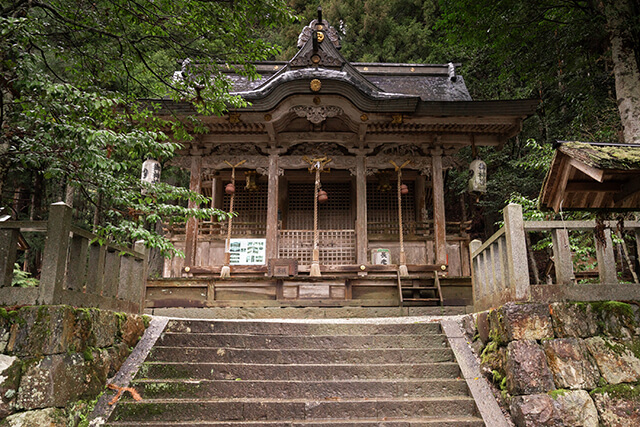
{"x":278,"y":373}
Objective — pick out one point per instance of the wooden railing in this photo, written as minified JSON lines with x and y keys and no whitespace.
{"x":500,"y":266}
{"x":75,"y":270}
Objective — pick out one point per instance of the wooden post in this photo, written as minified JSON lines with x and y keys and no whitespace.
{"x":191,"y":239}
{"x":517,"y":265}
{"x":562,"y":259}
{"x":272,"y":209}
{"x":362,"y":240}
{"x":474,"y":245}
{"x":54,"y":259}
{"x":439,"y":220}
{"x":606,"y":260}
{"x":8,"y":255}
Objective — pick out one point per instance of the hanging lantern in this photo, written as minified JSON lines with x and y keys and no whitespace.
{"x":251,"y":181}
{"x":230,"y":188}
{"x":404,"y":189}
{"x":322,"y":196}
{"x":478,"y":180}
{"x":151,"y":171}
{"x":384,"y":183}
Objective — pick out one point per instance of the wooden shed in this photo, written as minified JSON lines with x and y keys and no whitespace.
{"x":593,"y":176}
{"x":359,"y":122}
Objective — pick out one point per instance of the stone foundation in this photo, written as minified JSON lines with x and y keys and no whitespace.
{"x":563,"y":364}
{"x":51,"y":356}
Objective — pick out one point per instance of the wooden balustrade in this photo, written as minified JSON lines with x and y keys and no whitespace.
{"x":500,"y":266}
{"x":75,"y":270}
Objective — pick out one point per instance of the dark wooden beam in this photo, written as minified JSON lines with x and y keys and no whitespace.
{"x":629,"y":189}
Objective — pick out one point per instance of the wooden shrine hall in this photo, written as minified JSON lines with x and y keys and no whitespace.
{"x":336,"y":164}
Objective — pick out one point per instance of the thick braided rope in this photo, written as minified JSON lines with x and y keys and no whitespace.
{"x":400,"y":210}
{"x":315,"y":209}
{"x":233,"y":182}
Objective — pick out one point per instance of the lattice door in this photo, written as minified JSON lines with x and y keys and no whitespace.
{"x":335,"y":214}
{"x":251,"y":207}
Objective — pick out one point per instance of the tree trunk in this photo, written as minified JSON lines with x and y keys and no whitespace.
{"x":625,"y":66}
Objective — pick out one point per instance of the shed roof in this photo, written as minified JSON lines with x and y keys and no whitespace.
{"x":589,"y":175}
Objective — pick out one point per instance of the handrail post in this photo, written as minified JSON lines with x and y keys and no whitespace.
{"x":474,"y":245}
{"x":140,"y":246}
{"x":517,"y":263}
{"x":8,"y":255}
{"x":562,"y":259}
{"x":606,"y":259}
{"x":54,"y":259}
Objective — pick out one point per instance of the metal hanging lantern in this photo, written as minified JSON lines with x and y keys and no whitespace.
{"x":230,"y":188}
{"x":322,"y":196}
{"x":151,"y":171}
{"x":251,"y":181}
{"x":404,"y":189}
{"x":478,"y":180}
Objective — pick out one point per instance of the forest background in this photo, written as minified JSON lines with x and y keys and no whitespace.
{"x":71,"y":72}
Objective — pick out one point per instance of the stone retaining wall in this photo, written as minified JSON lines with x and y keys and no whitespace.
{"x":563,"y":364}
{"x":51,"y":356}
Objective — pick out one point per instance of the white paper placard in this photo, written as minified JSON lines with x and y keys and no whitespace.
{"x":247,"y":251}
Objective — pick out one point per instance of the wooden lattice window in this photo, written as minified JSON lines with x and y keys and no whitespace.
{"x":382,"y":209}
{"x":335,"y":214}
{"x":251,"y":207}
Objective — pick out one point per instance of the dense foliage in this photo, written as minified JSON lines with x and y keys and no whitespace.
{"x":72,"y":73}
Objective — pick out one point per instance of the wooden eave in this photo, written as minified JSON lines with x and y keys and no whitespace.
{"x":577,"y":184}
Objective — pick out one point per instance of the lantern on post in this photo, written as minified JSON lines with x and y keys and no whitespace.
{"x":150,"y":172}
{"x":478,"y":180}
{"x":251,"y":181}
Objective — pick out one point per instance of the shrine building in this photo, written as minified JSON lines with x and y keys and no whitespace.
{"x":336,"y":164}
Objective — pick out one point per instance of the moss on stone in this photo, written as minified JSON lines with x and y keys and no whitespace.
{"x":88,"y":354}
{"x":628,"y":391}
{"x":146,"y":320}
{"x":618,"y":308}
{"x":554,"y":394}
{"x":490,"y":348}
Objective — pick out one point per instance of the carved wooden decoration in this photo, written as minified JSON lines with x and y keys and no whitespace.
{"x":316,"y":114}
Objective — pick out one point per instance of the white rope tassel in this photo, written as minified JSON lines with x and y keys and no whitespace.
{"x":402,"y":268}
{"x":315,"y":264}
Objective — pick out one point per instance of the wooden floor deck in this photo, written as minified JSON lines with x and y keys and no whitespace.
{"x":297,"y":291}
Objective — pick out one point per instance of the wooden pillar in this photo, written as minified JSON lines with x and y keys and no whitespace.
{"x":439,"y":224}
{"x":272,"y":208}
{"x":421,"y":198}
{"x":562,"y":258}
{"x":192,"y":224}
{"x":606,"y":260}
{"x":362,"y":240}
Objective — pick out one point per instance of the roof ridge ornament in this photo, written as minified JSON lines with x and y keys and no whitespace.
{"x":319,"y":24}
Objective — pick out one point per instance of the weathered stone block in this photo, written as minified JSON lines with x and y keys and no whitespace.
{"x":48,"y":330}
{"x":494,"y":358}
{"x":571,"y":364}
{"x":497,"y":327}
{"x":469,"y":326}
{"x":50,"y":417}
{"x":10,"y":371}
{"x":104,"y":327}
{"x":573,"y":320}
{"x":617,"y":408}
{"x":58,"y":379}
{"x":132,"y":329}
{"x":616,"y":319}
{"x":527,"y":321}
{"x":616,"y":363}
{"x":527,"y":371}
{"x":535,"y":410}
{"x":482,"y":323}
{"x":576,"y":409}
{"x":116,"y":356}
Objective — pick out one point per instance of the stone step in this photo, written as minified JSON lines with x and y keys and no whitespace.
{"x":174,"y":339}
{"x":297,"y":329}
{"x":297,"y":372}
{"x":311,"y":390}
{"x":449,"y":421}
{"x":299,"y":356}
{"x":170,"y":410}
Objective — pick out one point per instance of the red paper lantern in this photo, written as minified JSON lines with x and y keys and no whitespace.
{"x":230,"y":188}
